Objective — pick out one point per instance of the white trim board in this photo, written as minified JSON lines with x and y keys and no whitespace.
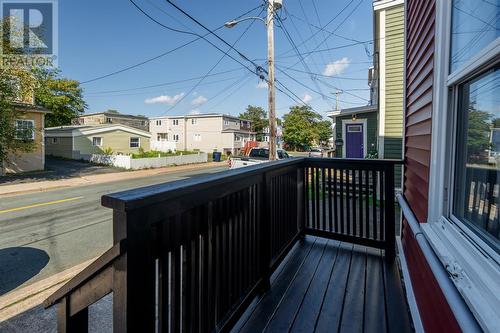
{"x":384,"y":4}
{"x":410,"y":295}
{"x":365,"y":134}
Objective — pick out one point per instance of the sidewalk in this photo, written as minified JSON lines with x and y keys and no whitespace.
{"x":23,"y":188}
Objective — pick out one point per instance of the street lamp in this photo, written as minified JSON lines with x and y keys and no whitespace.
{"x":272,"y":5}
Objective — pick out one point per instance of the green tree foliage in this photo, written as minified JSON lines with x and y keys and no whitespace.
{"x":258,"y":117}
{"x":478,"y":134}
{"x":60,"y":95}
{"x":303,"y":128}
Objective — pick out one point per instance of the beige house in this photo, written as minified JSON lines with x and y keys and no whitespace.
{"x":80,"y":142}
{"x":203,"y":132}
{"x":112,"y":117}
{"x":30,"y":119}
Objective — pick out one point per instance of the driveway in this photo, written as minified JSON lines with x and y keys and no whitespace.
{"x":56,"y":168}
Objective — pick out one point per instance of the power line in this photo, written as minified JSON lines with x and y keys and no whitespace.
{"x":322,"y":75}
{"x":163,"y":84}
{"x":215,"y":65}
{"x":338,"y":26}
{"x":306,"y":67}
{"x":212,"y":32}
{"x":157,"y":91}
{"x":329,"y":22}
{"x":127,"y":68}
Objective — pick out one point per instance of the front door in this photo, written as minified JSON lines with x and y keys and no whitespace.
{"x":354,"y":147}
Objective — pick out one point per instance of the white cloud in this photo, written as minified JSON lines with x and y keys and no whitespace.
{"x":200,"y":100}
{"x":261,"y":85}
{"x":165,"y":99}
{"x":336,"y":67}
{"x":307,"y":98}
{"x":195,"y":111}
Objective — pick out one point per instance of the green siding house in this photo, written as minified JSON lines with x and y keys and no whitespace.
{"x":389,"y":45}
{"x":380,"y":130}
{"x":80,"y":142}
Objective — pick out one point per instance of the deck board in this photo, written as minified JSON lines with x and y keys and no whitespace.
{"x":330,"y":286}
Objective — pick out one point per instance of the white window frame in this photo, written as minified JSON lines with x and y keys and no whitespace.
{"x":138,"y":141}
{"x":54,"y":141}
{"x":175,"y":137}
{"x":158,"y":122}
{"x":194,"y":121}
{"x":175,"y":122}
{"x":97,"y":137}
{"x":197,"y":137}
{"x":473,"y":266}
{"x":32,"y":122}
{"x":226,"y":122}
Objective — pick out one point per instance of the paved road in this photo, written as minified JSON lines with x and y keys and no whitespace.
{"x":45,"y":233}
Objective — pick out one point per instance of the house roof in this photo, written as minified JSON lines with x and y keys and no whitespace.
{"x":113,"y":114}
{"x":204,"y":115}
{"x":82,"y":130}
{"x":359,"y":109}
{"x":30,"y":107}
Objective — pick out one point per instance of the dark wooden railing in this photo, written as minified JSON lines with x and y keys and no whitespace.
{"x":198,"y":251}
{"x":351,"y":200}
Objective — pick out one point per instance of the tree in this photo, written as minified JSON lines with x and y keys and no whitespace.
{"x":478,"y":134}
{"x":303,"y":127}
{"x":63,"y":97}
{"x":323,"y":132}
{"x":257,"y":116}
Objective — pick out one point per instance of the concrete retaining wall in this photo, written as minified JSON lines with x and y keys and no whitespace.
{"x":126,"y":162}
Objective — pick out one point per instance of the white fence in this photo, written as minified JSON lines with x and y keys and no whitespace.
{"x":164,"y":146}
{"x":127,"y":162}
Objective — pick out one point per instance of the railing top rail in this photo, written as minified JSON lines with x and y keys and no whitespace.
{"x":360,"y":161}
{"x":149,"y":195}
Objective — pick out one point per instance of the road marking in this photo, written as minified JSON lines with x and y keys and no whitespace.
{"x":39,"y":205}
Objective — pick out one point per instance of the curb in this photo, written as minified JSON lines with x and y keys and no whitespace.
{"x":21,"y":300}
{"x":50,"y":185}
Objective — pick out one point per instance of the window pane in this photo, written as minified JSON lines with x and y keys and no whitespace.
{"x":478,"y":157}
{"x":475,"y":24}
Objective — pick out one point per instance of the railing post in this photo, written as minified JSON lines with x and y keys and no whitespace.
{"x":78,"y":323}
{"x":390,"y":217}
{"x":133,"y":279}
{"x":265,"y":231}
{"x":301,"y":221}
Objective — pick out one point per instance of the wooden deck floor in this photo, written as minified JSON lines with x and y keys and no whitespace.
{"x":330,"y":286}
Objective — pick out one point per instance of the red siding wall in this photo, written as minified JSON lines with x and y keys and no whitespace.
{"x":420,"y":19}
{"x":434,"y":311}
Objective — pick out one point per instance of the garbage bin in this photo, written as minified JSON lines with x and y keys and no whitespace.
{"x":217,"y":155}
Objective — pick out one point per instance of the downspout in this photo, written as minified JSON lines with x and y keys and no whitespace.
{"x":460,"y":310}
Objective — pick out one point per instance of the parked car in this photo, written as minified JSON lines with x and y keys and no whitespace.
{"x":316,"y":152}
{"x":256,"y":156}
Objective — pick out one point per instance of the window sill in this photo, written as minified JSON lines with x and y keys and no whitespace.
{"x":475,"y":274}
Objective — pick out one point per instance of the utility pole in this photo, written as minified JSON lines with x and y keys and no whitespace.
{"x":337,"y":95}
{"x":272,"y":5}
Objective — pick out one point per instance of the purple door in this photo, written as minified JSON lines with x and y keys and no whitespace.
{"x":354,"y":141}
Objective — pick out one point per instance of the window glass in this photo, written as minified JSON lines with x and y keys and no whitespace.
{"x":477,"y":173}
{"x":134,"y":142}
{"x":25,"y":129}
{"x":97,"y":141}
{"x":475,"y":24}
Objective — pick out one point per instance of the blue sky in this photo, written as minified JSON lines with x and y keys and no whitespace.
{"x":100,"y":37}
